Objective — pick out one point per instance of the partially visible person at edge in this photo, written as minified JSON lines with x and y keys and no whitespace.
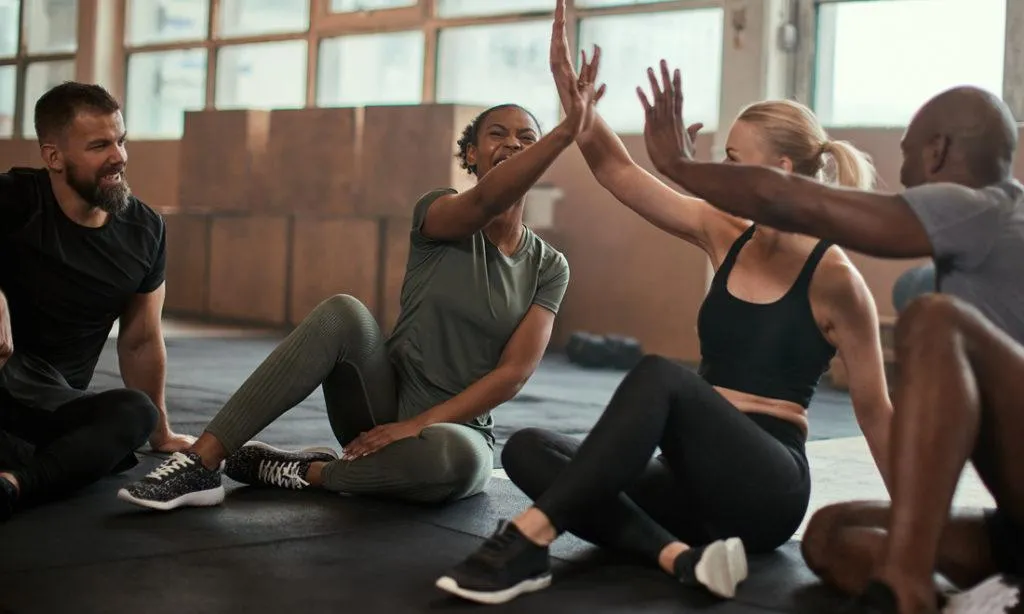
{"x":959,"y":352}
{"x":77,"y":252}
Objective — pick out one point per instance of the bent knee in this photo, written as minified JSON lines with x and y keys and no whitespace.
{"x":131,"y":412}
{"x":342,"y":306}
{"x":523,"y":446}
{"x":928,"y":316}
{"x":455,"y":464}
{"x":817,"y":545}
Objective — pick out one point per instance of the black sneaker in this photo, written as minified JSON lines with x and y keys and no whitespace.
{"x":257,"y":463}
{"x":181,"y":480}
{"x":506,"y":566}
{"x":8,"y":497}
{"x":719,"y":567}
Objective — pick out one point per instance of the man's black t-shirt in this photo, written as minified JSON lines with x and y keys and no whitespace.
{"x":65,"y":283}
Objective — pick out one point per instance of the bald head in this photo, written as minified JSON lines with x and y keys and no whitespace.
{"x":964,"y":135}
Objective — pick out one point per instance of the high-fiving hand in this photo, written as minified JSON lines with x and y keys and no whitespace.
{"x":664,"y":135}
{"x":579,"y":94}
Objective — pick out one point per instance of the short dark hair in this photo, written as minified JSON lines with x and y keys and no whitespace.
{"x":56,"y":109}
{"x":470,"y":134}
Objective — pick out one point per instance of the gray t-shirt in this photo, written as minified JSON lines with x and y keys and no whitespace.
{"x":978,"y":242}
{"x":461,"y":301}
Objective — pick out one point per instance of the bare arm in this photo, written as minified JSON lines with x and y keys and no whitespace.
{"x":6,"y":339}
{"x":852,"y":326}
{"x":142,"y":357}
{"x":519,"y":360}
{"x":872,"y":223}
{"x":677,"y":214}
{"x":456,"y":216}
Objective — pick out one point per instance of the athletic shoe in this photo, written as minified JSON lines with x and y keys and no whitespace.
{"x":719,"y":567}
{"x":504,"y":567}
{"x":997,"y":595}
{"x":257,"y":463}
{"x":8,"y":496}
{"x":181,"y":480}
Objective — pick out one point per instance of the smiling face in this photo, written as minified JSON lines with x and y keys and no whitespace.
{"x":501,"y":133}
{"x":92,"y":155}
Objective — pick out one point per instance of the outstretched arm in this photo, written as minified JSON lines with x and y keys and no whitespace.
{"x":873,"y":223}
{"x":664,"y":207}
{"x":456,"y":216}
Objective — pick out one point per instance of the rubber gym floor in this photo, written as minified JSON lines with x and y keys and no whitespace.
{"x":274,"y":551}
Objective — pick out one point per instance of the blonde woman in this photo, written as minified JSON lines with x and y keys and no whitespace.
{"x":732,"y":476}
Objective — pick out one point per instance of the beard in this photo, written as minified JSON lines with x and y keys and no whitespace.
{"x":113,"y":199}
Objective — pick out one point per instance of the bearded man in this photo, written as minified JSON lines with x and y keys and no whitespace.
{"x":77,"y":252}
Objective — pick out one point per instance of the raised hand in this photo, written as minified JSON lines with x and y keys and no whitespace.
{"x":664,"y":135}
{"x":578,"y":93}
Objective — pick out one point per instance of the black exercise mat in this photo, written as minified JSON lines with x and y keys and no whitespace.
{"x":204,"y":372}
{"x":382,"y":568}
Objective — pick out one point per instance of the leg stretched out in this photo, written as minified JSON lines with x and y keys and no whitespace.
{"x":339,"y":346}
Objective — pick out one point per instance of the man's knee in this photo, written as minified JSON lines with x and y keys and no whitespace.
{"x":928,"y":317}
{"x":132,"y":413}
{"x":455,"y":465}
{"x":817,"y":545}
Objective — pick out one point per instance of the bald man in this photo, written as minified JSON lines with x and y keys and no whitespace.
{"x":960,"y":355}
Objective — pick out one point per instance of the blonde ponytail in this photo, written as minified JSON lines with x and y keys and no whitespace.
{"x":853,"y":167}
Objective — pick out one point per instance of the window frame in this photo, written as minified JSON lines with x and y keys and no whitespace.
{"x":22,"y":59}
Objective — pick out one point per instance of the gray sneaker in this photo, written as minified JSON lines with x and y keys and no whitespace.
{"x":259,"y":464}
{"x":179,"y":481}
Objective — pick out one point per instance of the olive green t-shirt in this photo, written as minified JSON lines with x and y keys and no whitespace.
{"x":460,"y":303}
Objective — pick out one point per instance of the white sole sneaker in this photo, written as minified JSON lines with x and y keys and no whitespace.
{"x":722,"y":567}
{"x":446,"y":583}
{"x":201,"y":498}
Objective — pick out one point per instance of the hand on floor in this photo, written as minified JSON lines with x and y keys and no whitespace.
{"x":169,"y":442}
{"x":380,"y":436}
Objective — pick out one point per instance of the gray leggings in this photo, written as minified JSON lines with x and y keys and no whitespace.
{"x":340,"y":347}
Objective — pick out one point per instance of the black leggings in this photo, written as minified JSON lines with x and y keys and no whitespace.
{"x":53,"y":453}
{"x":722,"y":473}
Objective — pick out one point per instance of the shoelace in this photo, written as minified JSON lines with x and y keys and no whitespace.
{"x":175,"y":463}
{"x":492,"y":552}
{"x":279,"y":473}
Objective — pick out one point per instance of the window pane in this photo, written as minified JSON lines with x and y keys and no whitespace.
{"x":161,"y":86}
{"x":596,"y":3}
{"x":495,"y":64}
{"x":884,"y":83}
{"x":371,"y":69}
{"x":8,"y":28}
{"x":459,"y":8}
{"x":262,"y":76}
{"x":264,"y":17}
{"x":160,"y":21}
{"x":8,"y":77}
{"x":51,"y":25}
{"x":40,"y":77}
{"x":352,"y":6}
{"x":689,"y":40}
